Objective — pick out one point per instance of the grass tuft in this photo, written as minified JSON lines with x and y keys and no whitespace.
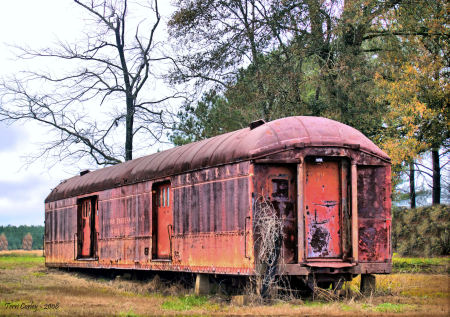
{"x":420,"y":265}
{"x":188,"y":302}
{"x":10,"y":261}
{"x":346,"y":307}
{"x":39,"y":274}
{"x":129,"y":313}
{"x":390,"y":308}
{"x":308,"y":303}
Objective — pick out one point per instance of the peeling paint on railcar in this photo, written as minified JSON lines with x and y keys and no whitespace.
{"x":323,"y":208}
{"x":277,"y":184}
{"x":373,"y":241}
{"x":319,"y":240}
{"x":373,"y":213}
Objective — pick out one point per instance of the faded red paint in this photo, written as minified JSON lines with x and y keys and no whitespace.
{"x":323,"y":209}
{"x":86,"y":228}
{"x":163,"y":221}
{"x":206,"y":224}
{"x":373,"y":212}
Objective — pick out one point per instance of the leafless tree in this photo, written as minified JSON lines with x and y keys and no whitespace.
{"x":112,"y":67}
{"x":3,"y":242}
{"x":27,"y":242}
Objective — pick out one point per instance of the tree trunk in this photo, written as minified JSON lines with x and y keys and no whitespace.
{"x":436,"y":177}
{"x":316,"y":19}
{"x":412,"y":185}
{"x":129,"y":130}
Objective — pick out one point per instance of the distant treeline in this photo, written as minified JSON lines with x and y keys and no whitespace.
{"x":15,"y":236}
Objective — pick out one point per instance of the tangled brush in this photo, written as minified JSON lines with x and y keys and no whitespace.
{"x":268,"y":229}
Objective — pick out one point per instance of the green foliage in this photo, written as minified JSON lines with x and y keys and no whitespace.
{"x":15,"y":235}
{"x":412,"y":80}
{"x":421,"y":232}
{"x":278,"y":87}
{"x":210,"y":117}
{"x":293,"y":68}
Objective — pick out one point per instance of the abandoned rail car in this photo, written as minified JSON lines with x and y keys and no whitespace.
{"x":191,"y":208}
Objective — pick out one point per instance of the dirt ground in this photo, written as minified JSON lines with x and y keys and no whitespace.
{"x":28,"y":288}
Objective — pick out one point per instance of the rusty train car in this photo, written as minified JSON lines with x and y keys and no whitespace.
{"x":191,"y":208}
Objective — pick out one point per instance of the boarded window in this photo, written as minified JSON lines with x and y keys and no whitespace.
{"x":280,"y":188}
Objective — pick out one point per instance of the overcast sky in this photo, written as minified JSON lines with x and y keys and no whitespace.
{"x":23,"y":187}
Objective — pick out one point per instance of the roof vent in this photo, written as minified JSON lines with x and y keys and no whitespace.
{"x":84,"y":172}
{"x":256,"y":124}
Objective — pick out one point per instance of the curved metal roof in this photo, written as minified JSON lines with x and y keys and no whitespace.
{"x":231,"y":147}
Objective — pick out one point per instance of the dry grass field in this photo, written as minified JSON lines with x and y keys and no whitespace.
{"x":28,"y":288}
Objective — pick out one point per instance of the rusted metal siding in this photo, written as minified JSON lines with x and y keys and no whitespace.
{"x":209,"y":209}
{"x":374,"y":217}
{"x":209,"y":218}
{"x":60,"y":227}
{"x":277,"y":184}
{"x":125,"y":224}
{"x":362,"y":162}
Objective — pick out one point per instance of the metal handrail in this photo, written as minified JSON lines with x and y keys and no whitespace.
{"x":245,"y":237}
{"x":96,"y":244}
{"x":169,"y":230}
{"x":75,"y":248}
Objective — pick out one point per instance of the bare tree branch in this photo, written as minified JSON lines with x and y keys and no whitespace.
{"x":111,"y":70}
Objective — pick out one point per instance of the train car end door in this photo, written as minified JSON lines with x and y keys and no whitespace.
{"x":277,"y":184}
{"x":162,"y":222}
{"x":87,"y":209}
{"x":326,"y":210}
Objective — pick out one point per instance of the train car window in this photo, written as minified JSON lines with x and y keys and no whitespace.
{"x":280,"y":188}
{"x":168,"y":196}
{"x":164,"y":197}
